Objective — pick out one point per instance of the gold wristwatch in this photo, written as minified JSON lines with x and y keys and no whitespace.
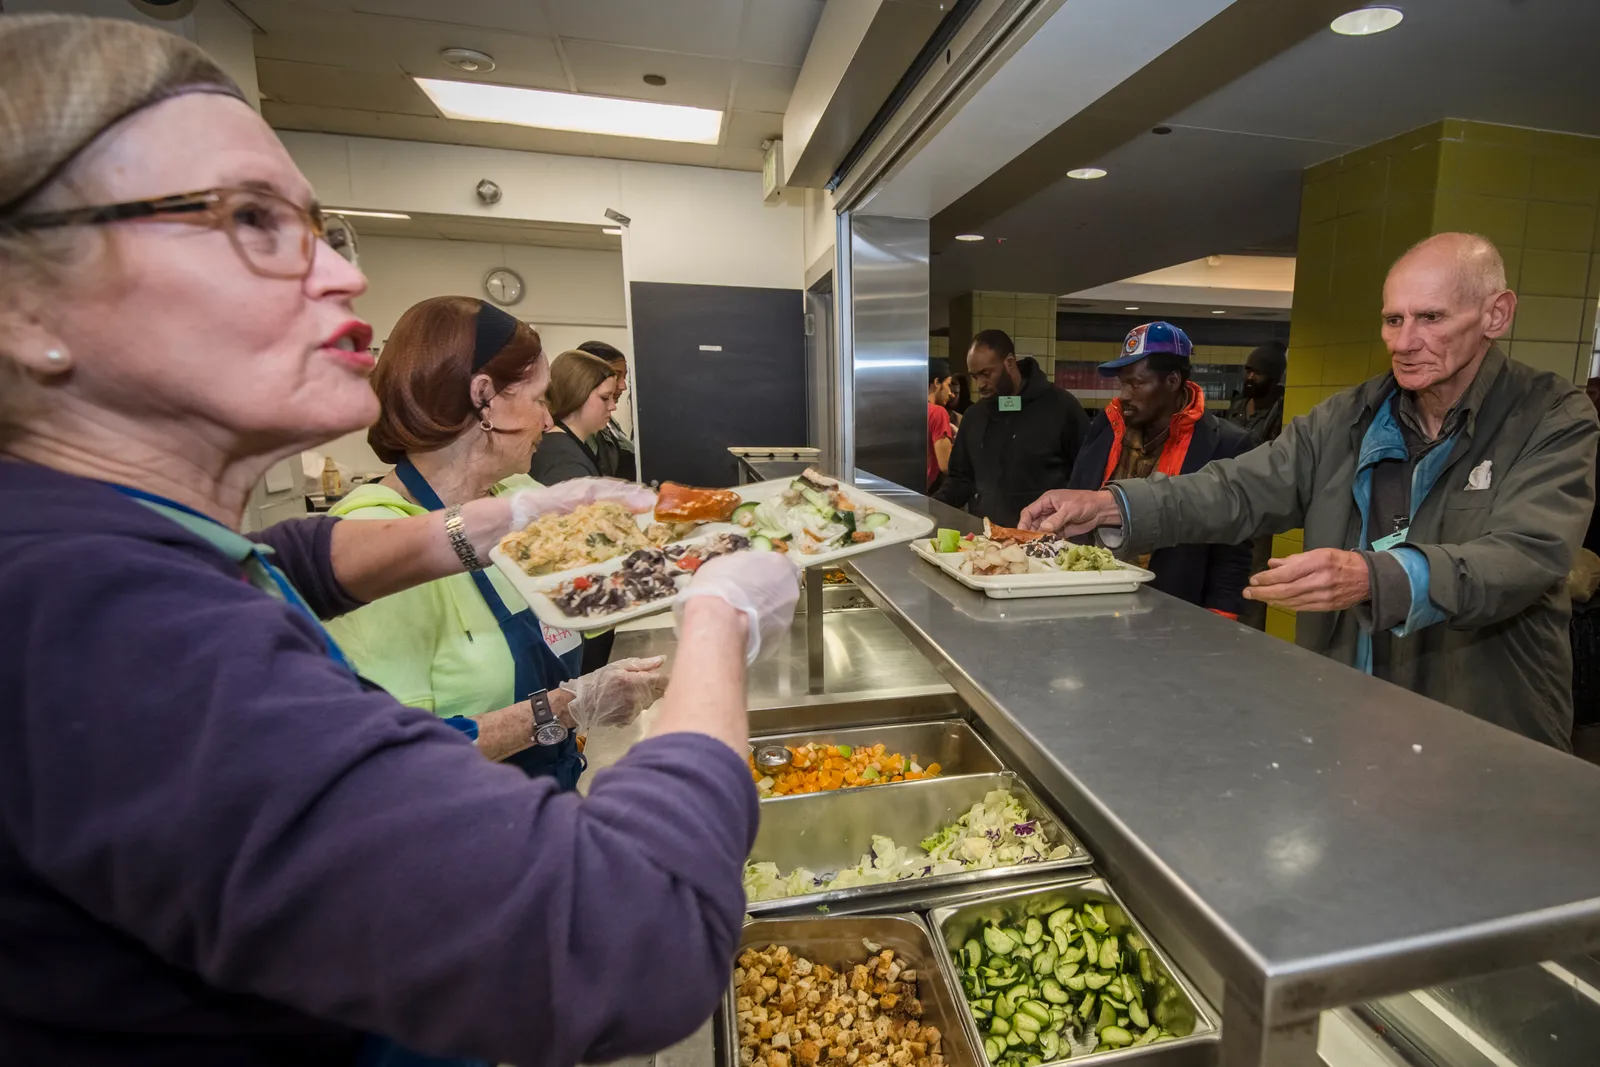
{"x":456,"y":530}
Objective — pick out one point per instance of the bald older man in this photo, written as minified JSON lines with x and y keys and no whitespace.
{"x":1442,"y":504}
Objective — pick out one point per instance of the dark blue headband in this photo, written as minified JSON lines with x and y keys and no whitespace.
{"x":495,"y":330}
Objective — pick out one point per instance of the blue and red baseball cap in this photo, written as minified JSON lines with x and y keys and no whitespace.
{"x":1143,"y":340}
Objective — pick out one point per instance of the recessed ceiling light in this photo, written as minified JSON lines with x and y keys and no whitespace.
{"x":1086,"y":173}
{"x":1365,"y":21}
{"x":655,"y":79}
{"x":1131,"y":307}
{"x":468,"y":59}
{"x":1219,"y":313}
{"x":364,"y":214}
{"x":606,"y":115}
{"x":969,"y":236}
{"x":612,"y":231}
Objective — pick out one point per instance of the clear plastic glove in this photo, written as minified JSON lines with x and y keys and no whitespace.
{"x":615,"y":694}
{"x":530,"y":504}
{"x":763,"y":585}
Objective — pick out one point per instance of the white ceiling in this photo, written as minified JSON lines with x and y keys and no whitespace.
{"x":1227,"y":179}
{"x":343,"y":66}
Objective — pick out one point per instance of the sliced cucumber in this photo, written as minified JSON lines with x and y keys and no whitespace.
{"x":1115,"y":1037}
{"x":1091,"y":947}
{"x":1073,"y":954}
{"x":999,"y":942}
{"x":1147,"y":966}
{"x":972,"y":953}
{"x":875,"y":520}
{"x":1140,"y":1017}
{"x":1096,"y":981}
{"x":759,"y":543}
{"x":1032,"y":932}
{"x":1045,"y":961}
{"x":1108,"y":953}
{"x":999,"y":1027}
{"x":993,"y":1047}
{"x":1108,"y":1015}
{"x":1039,"y":1010}
{"x":745,"y":514}
{"x":1086,"y":1008}
{"x":1050,"y":1044}
{"x":1053,"y":992}
{"x":1076,"y":982}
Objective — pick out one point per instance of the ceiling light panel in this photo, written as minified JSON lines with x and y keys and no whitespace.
{"x":969,"y":236}
{"x":1366,"y":21}
{"x":364,"y":214}
{"x":1086,"y":173}
{"x":604,"y":115}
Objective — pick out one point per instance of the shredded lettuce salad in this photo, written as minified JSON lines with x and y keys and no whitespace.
{"x":998,"y":832}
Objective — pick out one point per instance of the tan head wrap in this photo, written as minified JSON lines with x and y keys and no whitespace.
{"x":64,"y":79}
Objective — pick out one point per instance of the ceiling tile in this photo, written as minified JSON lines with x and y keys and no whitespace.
{"x":518,"y":17}
{"x":747,"y":129}
{"x":780,"y":31}
{"x":763,"y":87}
{"x":421,"y":128}
{"x":300,"y":33}
{"x":698,"y":27}
{"x":614,"y":70}
{"x":360,"y":90}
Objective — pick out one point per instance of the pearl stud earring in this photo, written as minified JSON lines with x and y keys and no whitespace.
{"x":54,"y":356}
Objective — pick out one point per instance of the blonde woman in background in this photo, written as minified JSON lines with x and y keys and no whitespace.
{"x":583,"y":396}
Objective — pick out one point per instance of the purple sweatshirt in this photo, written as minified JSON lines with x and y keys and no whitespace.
{"x":216,"y":847}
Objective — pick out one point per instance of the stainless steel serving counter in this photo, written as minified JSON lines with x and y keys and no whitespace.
{"x":1300,"y":836}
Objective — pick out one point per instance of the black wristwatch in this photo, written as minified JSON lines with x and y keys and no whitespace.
{"x":547,"y":729}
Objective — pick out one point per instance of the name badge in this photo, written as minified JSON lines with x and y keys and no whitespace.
{"x":560,"y":641}
{"x":1383,"y":544}
{"x":1011,"y":403}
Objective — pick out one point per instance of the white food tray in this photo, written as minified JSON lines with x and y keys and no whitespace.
{"x":903,"y":525}
{"x":1041,"y":580}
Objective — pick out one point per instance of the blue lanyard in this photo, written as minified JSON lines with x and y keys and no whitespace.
{"x":251,"y":557}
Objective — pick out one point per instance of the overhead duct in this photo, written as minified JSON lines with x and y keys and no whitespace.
{"x":858,"y":54}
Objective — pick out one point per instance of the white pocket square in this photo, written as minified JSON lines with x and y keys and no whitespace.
{"x":1481,"y":475}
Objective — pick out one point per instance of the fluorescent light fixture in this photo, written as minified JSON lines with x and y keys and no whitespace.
{"x":605,"y":115}
{"x":1365,"y":21}
{"x":364,"y":214}
{"x":612,"y":231}
{"x":1131,"y":307}
{"x":1086,"y":173}
{"x":969,"y":236}
{"x":1219,"y":313}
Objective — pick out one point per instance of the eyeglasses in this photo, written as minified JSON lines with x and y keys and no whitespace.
{"x":275,"y":237}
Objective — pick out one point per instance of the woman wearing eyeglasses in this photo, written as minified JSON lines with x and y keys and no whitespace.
{"x":217,"y":845}
{"x":462,"y":406}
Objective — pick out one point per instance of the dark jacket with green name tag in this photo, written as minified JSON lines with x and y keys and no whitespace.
{"x":1002,"y":461}
{"x":1498,"y":543}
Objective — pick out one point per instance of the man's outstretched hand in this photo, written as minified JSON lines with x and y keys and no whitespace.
{"x":1069,"y":512}
{"x":1324,"y":579}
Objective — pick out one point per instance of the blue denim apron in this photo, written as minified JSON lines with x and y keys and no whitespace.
{"x":537,"y":667}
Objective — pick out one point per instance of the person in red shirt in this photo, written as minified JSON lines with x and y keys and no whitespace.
{"x":941,"y":435}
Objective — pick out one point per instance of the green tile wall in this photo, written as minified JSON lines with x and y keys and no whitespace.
{"x":1534,"y":193}
{"x":1029,"y":318}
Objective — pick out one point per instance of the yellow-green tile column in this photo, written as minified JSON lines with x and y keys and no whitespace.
{"x":1028,"y":318}
{"x":1534,"y":193}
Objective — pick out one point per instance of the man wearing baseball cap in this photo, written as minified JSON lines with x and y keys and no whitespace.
{"x":1160,"y":424}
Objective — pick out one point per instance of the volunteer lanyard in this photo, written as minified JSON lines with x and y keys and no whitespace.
{"x":258,"y":570}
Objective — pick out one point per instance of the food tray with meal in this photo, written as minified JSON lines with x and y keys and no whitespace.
{"x":1010,"y":564}
{"x":871,"y":755}
{"x":847,"y":844}
{"x":1058,"y":972}
{"x":601,"y":566}
{"x":846,"y":991}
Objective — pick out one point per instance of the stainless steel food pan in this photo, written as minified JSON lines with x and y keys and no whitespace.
{"x":838,"y":942}
{"x":952,"y":926}
{"x":827,"y":832}
{"x":950,"y":743}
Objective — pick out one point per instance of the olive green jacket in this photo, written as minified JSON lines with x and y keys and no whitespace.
{"x":1497,"y":556}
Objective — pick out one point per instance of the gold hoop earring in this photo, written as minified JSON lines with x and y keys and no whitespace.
{"x":485,"y":425}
